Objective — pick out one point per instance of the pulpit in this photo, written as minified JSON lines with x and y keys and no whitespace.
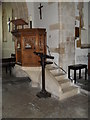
{"x":27,"y":41}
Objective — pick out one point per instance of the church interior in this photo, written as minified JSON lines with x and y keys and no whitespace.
{"x":44,"y":59}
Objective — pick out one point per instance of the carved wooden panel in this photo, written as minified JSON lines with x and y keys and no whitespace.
{"x":28,"y":41}
{"x":76,"y":32}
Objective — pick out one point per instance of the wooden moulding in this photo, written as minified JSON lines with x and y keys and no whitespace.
{"x":76,"y":32}
{"x":19,"y":22}
{"x":79,"y":43}
{"x":85,"y":46}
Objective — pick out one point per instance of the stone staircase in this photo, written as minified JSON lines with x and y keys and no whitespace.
{"x":67,"y":89}
{"x":56,"y":81}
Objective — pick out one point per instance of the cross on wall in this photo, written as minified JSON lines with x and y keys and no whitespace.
{"x":40,"y":8}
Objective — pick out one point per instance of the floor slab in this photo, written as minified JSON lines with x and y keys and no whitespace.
{"x":19,"y":100}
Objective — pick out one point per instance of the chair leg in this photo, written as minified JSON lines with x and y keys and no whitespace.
{"x":86,"y":73}
{"x":74,"y":76}
{"x":68,"y":72}
{"x":79,"y":73}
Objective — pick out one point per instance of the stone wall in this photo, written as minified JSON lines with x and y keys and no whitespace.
{"x":0,"y":61}
{"x":7,"y":43}
{"x":59,"y":20}
{"x":67,"y":34}
{"x":0,"y":30}
{"x":11,"y":10}
{"x":20,"y":10}
{"x":88,"y":21}
{"x":81,"y":54}
{"x":30,"y":7}
{"x":50,"y":22}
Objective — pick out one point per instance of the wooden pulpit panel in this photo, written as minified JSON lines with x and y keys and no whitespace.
{"x":29,"y":46}
{"x":28,"y":41}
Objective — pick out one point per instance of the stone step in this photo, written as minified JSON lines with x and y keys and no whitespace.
{"x":52,"y":68}
{"x":69,"y":92}
{"x":57,"y":73}
{"x":63,"y":80}
{"x":68,"y":89}
{"x":64,"y":83}
{"x":61,"y":77}
{"x":54,"y":84}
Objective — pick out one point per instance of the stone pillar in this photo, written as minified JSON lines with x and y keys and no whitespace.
{"x":67,"y":34}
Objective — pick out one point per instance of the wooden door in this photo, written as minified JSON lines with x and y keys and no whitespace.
{"x":29,"y":46}
{"x":18,"y":50}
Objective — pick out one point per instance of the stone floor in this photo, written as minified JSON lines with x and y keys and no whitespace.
{"x":19,"y":100}
{"x":84,"y":84}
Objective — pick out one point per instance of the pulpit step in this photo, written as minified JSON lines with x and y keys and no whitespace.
{"x":64,"y":83}
{"x":52,"y":68}
{"x":69,"y":89}
{"x":56,"y":71}
{"x":63,"y":80}
{"x":61,"y":77}
{"x":69,"y":92}
{"x":58,"y":74}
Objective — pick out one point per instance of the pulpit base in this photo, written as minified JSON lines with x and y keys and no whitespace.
{"x":43,"y":94}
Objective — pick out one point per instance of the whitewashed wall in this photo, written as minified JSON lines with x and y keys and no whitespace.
{"x":89,"y":24}
{"x":0,"y":31}
{"x":49,"y":17}
{"x":81,"y":54}
{"x":0,"y":58}
{"x":30,"y":6}
{"x":8,"y":46}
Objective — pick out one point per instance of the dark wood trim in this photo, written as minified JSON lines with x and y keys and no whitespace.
{"x":84,"y":46}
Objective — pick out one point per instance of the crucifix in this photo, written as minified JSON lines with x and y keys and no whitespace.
{"x":40,"y":10}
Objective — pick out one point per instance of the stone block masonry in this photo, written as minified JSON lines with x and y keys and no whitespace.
{"x":67,"y":35}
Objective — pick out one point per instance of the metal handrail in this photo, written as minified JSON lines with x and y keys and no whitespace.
{"x":55,"y":62}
